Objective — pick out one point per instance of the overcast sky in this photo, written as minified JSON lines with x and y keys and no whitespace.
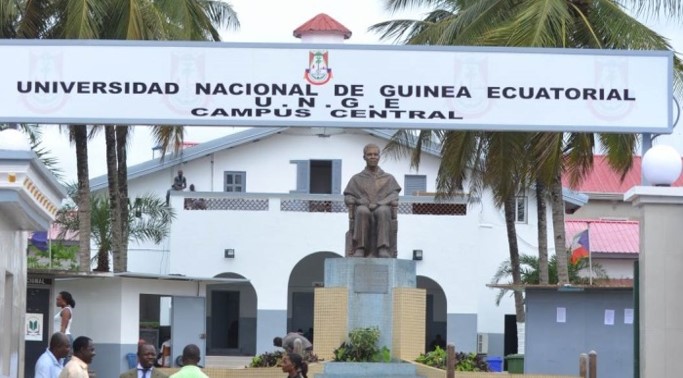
{"x":274,"y":21}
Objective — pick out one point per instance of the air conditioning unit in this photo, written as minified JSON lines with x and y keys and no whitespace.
{"x":482,"y":343}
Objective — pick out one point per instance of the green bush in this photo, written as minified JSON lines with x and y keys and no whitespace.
{"x":273,"y":359}
{"x":362,"y":346}
{"x":463,"y":361}
{"x":267,"y":359}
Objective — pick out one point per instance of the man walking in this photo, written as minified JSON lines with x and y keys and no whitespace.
{"x":145,"y":369}
{"x":84,"y":351}
{"x":49,"y":364}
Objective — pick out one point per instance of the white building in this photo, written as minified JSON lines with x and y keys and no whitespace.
{"x":275,"y":212}
{"x":29,"y":198}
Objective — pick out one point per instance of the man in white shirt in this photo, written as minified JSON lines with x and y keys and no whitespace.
{"x":49,"y":365}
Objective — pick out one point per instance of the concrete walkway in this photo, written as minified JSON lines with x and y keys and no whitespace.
{"x":227,"y":362}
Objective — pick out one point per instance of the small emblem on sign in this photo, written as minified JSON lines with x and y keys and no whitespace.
{"x":318,"y":71}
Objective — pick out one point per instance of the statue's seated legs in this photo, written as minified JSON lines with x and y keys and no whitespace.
{"x":374,"y":232}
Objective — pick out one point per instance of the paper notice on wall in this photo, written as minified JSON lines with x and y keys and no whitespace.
{"x":561,"y":315}
{"x":609,"y":317}
{"x":628,"y":316}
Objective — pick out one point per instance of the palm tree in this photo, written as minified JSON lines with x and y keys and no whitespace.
{"x":542,"y":219}
{"x":152,"y":20}
{"x":551,"y":23}
{"x":114,"y":19}
{"x":557,"y":23}
{"x":481,"y":160}
{"x":149,"y":220}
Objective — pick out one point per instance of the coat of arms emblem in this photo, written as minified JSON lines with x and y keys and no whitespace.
{"x":318,"y":71}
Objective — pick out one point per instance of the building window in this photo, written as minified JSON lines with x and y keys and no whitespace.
{"x":318,"y":176}
{"x":235,"y":182}
{"x":414,"y":184}
{"x":520,"y":209}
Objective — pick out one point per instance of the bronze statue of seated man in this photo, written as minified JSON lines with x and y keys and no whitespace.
{"x":371,"y":196}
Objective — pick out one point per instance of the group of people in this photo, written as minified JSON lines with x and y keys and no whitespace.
{"x":179,"y":184}
{"x":146,"y":368}
{"x":65,"y":357}
{"x":296,"y":346}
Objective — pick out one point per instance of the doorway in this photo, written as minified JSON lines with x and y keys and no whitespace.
{"x":231,"y":318}
{"x":435,"y":317}
{"x":225,"y":318}
{"x":38,"y":306}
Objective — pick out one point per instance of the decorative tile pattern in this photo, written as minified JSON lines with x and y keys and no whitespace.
{"x":330,"y":320}
{"x":409,"y":322}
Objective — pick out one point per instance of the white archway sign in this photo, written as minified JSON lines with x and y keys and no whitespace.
{"x":354,"y":86}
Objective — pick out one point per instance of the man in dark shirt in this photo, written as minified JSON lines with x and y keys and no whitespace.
{"x":179,"y":183}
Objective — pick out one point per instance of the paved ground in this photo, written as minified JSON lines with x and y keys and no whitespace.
{"x":227,"y":362}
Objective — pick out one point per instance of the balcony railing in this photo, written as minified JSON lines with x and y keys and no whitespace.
{"x":310,"y":203}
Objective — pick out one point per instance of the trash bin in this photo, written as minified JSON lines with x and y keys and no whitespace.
{"x":515,"y":363}
{"x":132,"y":359}
{"x":495,"y":363}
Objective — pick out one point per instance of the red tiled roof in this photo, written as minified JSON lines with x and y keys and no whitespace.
{"x":602,"y":179}
{"x":324,"y":23}
{"x":606,"y":236}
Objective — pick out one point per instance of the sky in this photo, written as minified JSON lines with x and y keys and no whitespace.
{"x":274,"y":21}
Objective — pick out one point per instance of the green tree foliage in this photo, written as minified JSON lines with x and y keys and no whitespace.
{"x":530,"y":273}
{"x":149,"y":220}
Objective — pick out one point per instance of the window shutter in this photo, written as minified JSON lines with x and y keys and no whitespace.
{"x":336,"y":176}
{"x":414,"y":184}
{"x":302,"y":176}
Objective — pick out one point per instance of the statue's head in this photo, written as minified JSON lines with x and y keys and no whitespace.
{"x":371,"y":155}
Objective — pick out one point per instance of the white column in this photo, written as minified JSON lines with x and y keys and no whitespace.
{"x":661,"y":278}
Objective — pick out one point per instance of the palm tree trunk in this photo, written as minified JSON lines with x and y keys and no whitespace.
{"x":121,"y":142}
{"x":558,"y":230}
{"x":114,"y":208}
{"x":80,"y":138}
{"x":102,"y":259}
{"x":509,"y":208}
{"x":542,"y":234}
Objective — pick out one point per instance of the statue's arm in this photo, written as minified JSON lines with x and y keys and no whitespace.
{"x":350,"y":200}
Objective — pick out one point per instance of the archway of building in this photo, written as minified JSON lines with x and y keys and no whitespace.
{"x":231,"y":318}
{"x":435,"y":320}
{"x":307,"y":274}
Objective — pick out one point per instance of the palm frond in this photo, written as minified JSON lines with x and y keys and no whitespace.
{"x":168,"y":138}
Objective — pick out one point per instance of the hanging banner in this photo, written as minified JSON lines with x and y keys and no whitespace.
{"x":473,"y":88}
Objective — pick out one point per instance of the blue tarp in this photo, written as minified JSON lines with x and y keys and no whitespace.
{"x":39,"y":240}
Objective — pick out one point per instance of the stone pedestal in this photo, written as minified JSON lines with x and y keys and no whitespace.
{"x":661,"y":278}
{"x":370,"y":292}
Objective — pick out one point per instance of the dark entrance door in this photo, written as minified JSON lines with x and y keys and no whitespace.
{"x":302,"y":313}
{"x":510,"y":337}
{"x":37,"y":302}
{"x":225,"y":323}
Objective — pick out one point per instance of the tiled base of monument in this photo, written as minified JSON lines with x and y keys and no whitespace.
{"x":370,"y":292}
{"x":369,"y":369}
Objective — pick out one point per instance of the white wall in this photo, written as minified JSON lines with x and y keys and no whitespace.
{"x":109,"y":310}
{"x":12,"y":298}
{"x":616,"y":268}
{"x":462,"y":253}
